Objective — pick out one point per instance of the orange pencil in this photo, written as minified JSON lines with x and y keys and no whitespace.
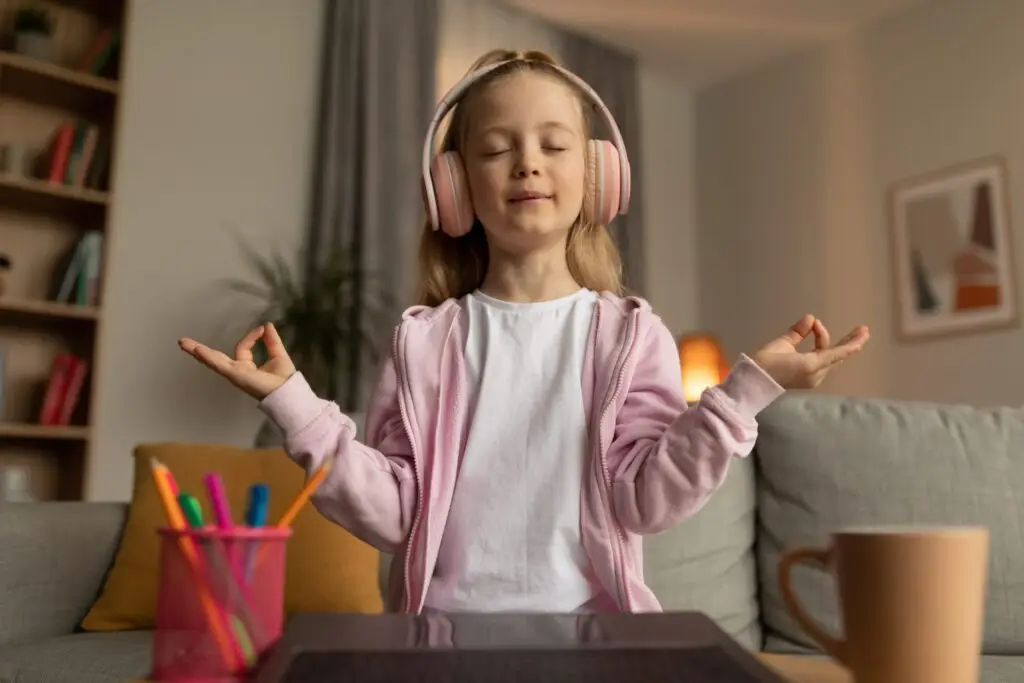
{"x":296,"y":505}
{"x":176,"y":520}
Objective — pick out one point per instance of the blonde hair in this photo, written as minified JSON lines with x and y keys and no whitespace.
{"x":452,"y":267}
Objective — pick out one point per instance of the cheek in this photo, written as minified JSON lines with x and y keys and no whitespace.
{"x":484,"y":183}
{"x":572,"y":177}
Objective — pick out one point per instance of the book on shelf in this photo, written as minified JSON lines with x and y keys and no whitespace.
{"x":77,"y":155}
{"x":63,"y":389}
{"x":79,"y":272}
{"x":102,"y":53}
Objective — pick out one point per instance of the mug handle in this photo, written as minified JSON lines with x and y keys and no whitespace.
{"x":818,"y":558}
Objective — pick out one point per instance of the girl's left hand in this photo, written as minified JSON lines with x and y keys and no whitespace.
{"x":794,"y":369}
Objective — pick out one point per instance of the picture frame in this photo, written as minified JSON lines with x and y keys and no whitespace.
{"x":952,"y":252}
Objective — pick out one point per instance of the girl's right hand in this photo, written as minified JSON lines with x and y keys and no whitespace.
{"x":241,"y":371}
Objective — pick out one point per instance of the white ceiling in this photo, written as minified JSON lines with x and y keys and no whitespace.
{"x":706,"y":41}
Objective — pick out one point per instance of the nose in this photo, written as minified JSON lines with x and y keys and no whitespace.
{"x":527,"y":164}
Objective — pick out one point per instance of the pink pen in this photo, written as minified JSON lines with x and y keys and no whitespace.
{"x":221,"y":512}
{"x":218,"y":501}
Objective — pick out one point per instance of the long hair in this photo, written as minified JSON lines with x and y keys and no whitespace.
{"x":452,"y":267}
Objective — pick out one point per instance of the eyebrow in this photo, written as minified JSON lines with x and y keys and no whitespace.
{"x":546,"y":125}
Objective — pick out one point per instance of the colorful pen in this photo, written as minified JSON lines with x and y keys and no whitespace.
{"x":300,"y":500}
{"x":255,"y":517}
{"x":221,"y":513}
{"x":165,"y":486}
{"x":194,"y":514}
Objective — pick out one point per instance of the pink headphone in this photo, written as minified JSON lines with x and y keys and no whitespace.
{"x":446,"y":189}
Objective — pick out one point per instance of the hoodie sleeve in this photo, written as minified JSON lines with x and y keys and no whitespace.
{"x":370,"y":489}
{"x":666,"y":458}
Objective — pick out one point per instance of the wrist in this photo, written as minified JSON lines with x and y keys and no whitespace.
{"x":764,"y":363}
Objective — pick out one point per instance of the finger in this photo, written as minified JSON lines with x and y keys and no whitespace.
{"x":822,"y":340}
{"x":799,"y":331}
{"x":218,"y":361}
{"x":243,"y":349}
{"x":187,"y":345}
{"x":840,"y":352}
{"x":272,"y":340}
{"x":859,"y":334}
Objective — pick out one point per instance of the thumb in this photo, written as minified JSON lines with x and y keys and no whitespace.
{"x":272,"y":341}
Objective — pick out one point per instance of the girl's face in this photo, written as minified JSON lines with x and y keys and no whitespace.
{"x":524,"y":157}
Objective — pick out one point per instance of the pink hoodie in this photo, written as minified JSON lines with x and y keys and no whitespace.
{"x":656,"y":461}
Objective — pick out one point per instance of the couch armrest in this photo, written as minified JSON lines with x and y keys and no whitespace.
{"x":53,"y":561}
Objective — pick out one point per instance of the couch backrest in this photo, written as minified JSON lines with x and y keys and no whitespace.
{"x":824,"y":462}
{"x":53,"y":560}
{"x":707,"y":562}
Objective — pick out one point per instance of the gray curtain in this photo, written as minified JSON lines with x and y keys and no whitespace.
{"x":613,"y":75}
{"x":377,"y":97}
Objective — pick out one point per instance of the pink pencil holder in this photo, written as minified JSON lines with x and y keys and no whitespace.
{"x":220,"y":602}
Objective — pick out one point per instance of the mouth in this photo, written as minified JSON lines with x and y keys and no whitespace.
{"x":527,"y":197}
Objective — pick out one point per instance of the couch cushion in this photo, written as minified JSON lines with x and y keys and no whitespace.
{"x":995,"y":669}
{"x":79,"y":658}
{"x":706,"y":563}
{"x":826,"y":462}
{"x":328,"y":569}
{"x":42,"y":593}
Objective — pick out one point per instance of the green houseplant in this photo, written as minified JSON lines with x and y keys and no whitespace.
{"x":33,"y":28}
{"x":331,"y":318}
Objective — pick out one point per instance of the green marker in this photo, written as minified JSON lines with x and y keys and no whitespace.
{"x":193,"y":513}
{"x":192,"y":510}
{"x":244,"y":642}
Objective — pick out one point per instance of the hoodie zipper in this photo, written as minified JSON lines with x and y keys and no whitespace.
{"x":411,"y":545}
{"x":619,"y":551}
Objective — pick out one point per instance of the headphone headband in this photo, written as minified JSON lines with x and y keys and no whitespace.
{"x":452,"y":98}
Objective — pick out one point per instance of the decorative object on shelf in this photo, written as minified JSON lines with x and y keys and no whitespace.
{"x":331,"y":321}
{"x":5,"y":265}
{"x":702,"y":363}
{"x":33,"y":32}
{"x":952,"y":251}
{"x":14,"y":485}
{"x":15,"y":159}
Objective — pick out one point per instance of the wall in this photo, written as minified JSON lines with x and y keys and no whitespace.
{"x":471,"y":27}
{"x":793,"y":162}
{"x":217,"y":134}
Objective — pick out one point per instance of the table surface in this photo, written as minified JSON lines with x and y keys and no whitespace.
{"x":793,"y":668}
{"x":798,"y":669}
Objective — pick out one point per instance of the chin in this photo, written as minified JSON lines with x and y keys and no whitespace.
{"x":524,"y":237}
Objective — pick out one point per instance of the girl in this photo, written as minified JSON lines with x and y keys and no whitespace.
{"x":530,"y":426}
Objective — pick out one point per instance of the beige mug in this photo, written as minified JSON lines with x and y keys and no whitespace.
{"x":912,"y":601}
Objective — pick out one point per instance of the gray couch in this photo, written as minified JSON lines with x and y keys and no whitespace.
{"x":821,"y":462}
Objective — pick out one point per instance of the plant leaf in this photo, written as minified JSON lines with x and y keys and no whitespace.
{"x":330,"y":318}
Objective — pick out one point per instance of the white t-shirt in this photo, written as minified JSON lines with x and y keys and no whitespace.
{"x":512,"y":539}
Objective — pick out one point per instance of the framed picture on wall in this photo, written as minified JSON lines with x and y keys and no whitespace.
{"x":952,"y":251}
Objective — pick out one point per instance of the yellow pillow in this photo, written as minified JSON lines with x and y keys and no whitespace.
{"x":328,"y":569}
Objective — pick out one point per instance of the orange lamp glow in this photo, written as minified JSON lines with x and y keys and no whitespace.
{"x":703,"y":364}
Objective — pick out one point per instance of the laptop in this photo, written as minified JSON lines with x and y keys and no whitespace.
{"x":509,"y":648}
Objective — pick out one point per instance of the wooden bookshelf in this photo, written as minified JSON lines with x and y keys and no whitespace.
{"x":48,"y":203}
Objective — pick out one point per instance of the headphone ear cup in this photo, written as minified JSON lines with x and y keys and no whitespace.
{"x":454,"y":206}
{"x":605,"y":184}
